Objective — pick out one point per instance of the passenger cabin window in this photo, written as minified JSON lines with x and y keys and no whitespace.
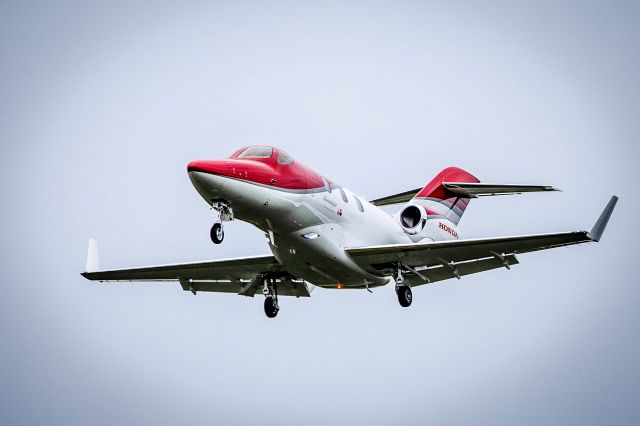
{"x":284,"y":158}
{"x":344,"y":195}
{"x":360,"y":207}
{"x":257,"y":152}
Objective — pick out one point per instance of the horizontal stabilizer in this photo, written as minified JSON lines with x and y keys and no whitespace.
{"x":402,"y":197}
{"x":467,"y":190}
{"x":474,"y":190}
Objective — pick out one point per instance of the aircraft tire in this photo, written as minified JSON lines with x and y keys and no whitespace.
{"x":270,"y":308}
{"x":404,"y":296}
{"x":217,"y":233}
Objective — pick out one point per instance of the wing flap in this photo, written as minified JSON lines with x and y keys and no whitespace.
{"x":444,"y":272}
{"x":297,"y":288}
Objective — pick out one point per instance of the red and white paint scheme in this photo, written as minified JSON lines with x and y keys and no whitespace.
{"x":323,"y":235}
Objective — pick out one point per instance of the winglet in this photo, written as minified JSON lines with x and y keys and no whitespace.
{"x":598,"y":229}
{"x":93,"y":260}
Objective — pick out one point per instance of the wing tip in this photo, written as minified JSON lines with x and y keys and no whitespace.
{"x":93,"y":259}
{"x":598,"y":228}
{"x":88,"y":276}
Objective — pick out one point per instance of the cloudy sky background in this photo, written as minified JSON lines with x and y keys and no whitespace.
{"x":102,"y":106}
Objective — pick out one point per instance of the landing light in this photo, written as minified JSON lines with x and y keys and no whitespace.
{"x":310,"y":235}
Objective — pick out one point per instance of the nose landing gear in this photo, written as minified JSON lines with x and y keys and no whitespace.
{"x":217,"y":233}
{"x":225,"y":214}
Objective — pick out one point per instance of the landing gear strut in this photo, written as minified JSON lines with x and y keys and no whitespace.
{"x":404,"y":292}
{"x":271,"y":307}
{"x":225,"y":213}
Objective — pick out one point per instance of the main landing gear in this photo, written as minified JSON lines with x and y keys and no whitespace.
{"x":404,"y":295}
{"x":271,"y":307}
{"x":225,"y":213}
{"x":403,"y":291}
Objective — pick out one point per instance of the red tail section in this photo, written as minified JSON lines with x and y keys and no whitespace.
{"x":440,"y":200}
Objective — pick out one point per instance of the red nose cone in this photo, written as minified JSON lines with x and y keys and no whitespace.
{"x":209,"y":166}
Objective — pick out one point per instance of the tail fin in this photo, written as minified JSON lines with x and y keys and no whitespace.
{"x":439,"y":200}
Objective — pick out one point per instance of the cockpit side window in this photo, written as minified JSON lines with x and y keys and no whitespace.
{"x":284,"y":157}
{"x":257,"y":152}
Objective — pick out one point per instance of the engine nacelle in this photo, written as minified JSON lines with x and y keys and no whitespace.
{"x":412,"y":219}
{"x":415,"y":221}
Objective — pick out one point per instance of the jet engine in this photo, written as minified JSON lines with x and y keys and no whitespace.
{"x":412,"y":218}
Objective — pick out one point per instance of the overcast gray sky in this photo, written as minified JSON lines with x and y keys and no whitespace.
{"x":102,"y":106}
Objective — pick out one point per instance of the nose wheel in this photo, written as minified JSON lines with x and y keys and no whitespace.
{"x":225,"y":214}
{"x":217,"y":233}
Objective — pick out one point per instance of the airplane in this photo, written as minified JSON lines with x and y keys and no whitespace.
{"x":323,"y":235}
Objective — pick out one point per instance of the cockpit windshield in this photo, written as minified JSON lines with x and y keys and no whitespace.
{"x":258,"y":151}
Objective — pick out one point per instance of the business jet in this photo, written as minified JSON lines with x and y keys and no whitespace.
{"x":323,"y":235}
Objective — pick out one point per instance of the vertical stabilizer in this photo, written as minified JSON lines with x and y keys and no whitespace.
{"x":438,"y":200}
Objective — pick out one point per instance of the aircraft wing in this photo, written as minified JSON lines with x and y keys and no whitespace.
{"x":241,"y":275}
{"x":434,"y":261}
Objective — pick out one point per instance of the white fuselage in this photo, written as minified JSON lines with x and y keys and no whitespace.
{"x":308,"y":230}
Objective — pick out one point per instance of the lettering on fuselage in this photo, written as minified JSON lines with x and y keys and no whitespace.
{"x":447,"y":229}
{"x":331,"y":205}
{"x":329,"y":201}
